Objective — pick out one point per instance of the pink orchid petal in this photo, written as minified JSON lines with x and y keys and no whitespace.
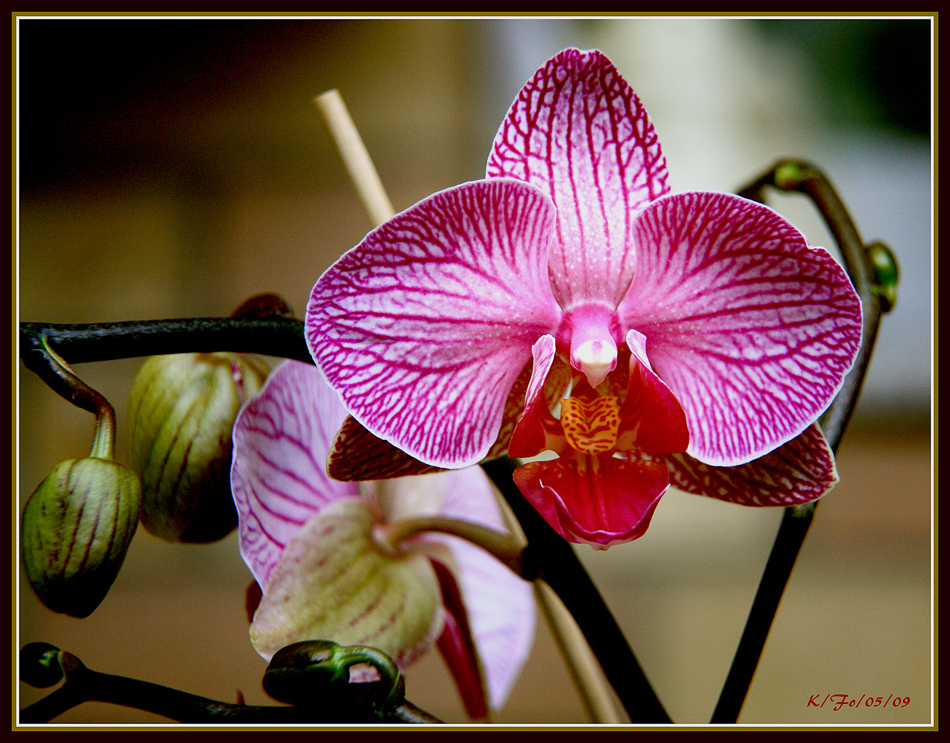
{"x":652,"y":418}
{"x":424,"y":327}
{"x":457,"y":646}
{"x":334,"y":582}
{"x":501,"y":612}
{"x":529,"y":436}
{"x":278,"y":475}
{"x":578,"y":132}
{"x":800,"y":471}
{"x":513,"y":410}
{"x":610,"y":503}
{"x":359,"y":455}
{"x":500,"y":605}
{"x":752,"y":329}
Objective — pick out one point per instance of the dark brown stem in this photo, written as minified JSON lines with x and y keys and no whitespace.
{"x":84,"y":685}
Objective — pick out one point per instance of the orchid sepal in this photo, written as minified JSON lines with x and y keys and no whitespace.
{"x":328,"y":555}
{"x":334,"y":582}
{"x":798,"y":472}
{"x":579,"y":133}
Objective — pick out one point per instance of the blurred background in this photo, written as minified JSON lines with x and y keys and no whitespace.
{"x":173,"y":167}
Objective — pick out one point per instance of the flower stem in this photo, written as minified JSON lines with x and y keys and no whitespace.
{"x":270,"y":336}
{"x":502,"y":546}
{"x":85,"y":397}
{"x":581,"y":662}
{"x":355,"y":158}
{"x":84,"y":685}
{"x":795,"y":175}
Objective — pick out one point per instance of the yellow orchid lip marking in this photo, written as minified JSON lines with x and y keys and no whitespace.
{"x":591,"y":427}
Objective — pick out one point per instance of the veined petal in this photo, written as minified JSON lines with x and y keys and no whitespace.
{"x":579,"y":132}
{"x":358,"y":455}
{"x":334,"y":582}
{"x":752,"y":329}
{"x":601,"y":502}
{"x":278,"y":477}
{"x":529,"y":437}
{"x":457,"y":646}
{"x":800,"y":471}
{"x":424,"y":327}
{"x":499,"y":604}
{"x":652,"y":418}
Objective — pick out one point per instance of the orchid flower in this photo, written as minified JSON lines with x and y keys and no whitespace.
{"x":345,"y":561}
{"x":570,"y":303}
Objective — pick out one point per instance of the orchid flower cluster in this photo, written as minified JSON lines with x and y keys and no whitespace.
{"x":569,"y":310}
{"x":566,"y":303}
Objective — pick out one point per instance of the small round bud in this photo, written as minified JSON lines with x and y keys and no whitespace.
{"x":321,"y":669}
{"x":181,"y":411}
{"x":77,"y":526}
{"x":305,"y":670}
{"x":40,"y":665}
{"x":886,"y":272}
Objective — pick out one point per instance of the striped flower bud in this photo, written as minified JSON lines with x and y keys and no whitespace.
{"x":76,"y":530}
{"x":181,"y":409}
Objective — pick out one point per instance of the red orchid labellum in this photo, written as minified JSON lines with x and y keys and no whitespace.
{"x":328,"y":568}
{"x":669,"y":336}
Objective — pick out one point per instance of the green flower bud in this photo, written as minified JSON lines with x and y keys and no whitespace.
{"x":320,"y":669}
{"x":182,"y":409}
{"x":886,"y":272}
{"x":41,"y":665}
{"x":77,"y":526}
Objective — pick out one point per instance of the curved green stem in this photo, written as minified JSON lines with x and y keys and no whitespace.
{"x":83,"y":396}
{"x":502,"y":546}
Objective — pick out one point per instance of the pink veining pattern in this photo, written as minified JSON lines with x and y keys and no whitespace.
{"x":795,"y":473}
{"x":579,"y":133}
{"x":750,"y":327}
{"x":467,"y":268}
{"x":266,"y":524}
{"x":312,"y":542}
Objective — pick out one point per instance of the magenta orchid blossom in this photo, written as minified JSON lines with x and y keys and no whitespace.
{"x":344,"y":562}
{"x":651,"y":337}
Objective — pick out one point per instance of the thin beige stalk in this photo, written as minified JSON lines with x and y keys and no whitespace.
{"x":592,"y":686}
{"x":358,"y":164}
